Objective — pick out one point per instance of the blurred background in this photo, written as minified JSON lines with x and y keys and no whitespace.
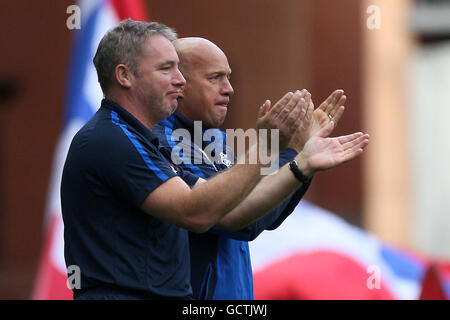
{"x":392,"y":58}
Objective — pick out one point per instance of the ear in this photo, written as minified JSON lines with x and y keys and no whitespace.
{"x":123,"y":75}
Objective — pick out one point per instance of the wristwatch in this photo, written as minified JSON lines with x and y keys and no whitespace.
{"x":297,"y":172}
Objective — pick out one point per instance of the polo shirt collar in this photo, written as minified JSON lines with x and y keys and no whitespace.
{"x":178,"y":120}
{"x":131,"y":120}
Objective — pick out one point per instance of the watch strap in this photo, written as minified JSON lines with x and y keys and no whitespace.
{"x":297,"y":172}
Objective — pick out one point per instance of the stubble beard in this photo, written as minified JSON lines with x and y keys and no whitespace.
{"x":157,"y":107}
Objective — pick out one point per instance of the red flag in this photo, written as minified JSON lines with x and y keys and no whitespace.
{"x":436,"y":283}
{"x":134,"y":9}
{"x":83,"y":99}
{"x":317,"y":255}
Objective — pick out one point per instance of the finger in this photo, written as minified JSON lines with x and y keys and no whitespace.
{"x":334,"y":97}
{"x":351,"y":155}
{"x":295,"y":118}
{"x":299,"y":112}
{"x":359,"y":148}
{"x":299,"y":118}
{"x":342,"y":100}
{"x":275,"y":110}
{"x":307,"y":105}
{"x":364,"y":143}
{"x":290,"y":107}
{"x":337,"y":106}
{"x":345,"y":139}
{"x":303,"y":93}
{"x":360,"y":145}
{"x":326,"y":131}
{"x":337,"y":116}
{"x":324,"y":104}
{"x":309,"y":109}
{"x":354,"y":142}
{"x":264,"y":109}
{"x":304,"y":109}
{"x":306,"y":115}
{"x":284,"y":111}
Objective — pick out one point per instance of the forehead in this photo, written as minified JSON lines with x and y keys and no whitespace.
{"x":159,"y":49}
{"x":210,"y":60}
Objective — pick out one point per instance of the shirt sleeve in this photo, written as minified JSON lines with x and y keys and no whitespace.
{"x":273,"y":219}
{"x":188,"y":177}
{"x":131,"y":167}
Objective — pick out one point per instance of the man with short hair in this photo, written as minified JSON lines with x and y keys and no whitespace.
{"x":126,"y":207}
{"x":220,"y":258}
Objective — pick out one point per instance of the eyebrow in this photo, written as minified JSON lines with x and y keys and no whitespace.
{"x":221,"y":72}
{"x":168,"y":63}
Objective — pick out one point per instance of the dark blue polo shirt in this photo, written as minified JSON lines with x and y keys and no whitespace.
{"x":113,"y":164}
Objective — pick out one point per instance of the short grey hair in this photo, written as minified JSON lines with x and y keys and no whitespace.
{"x":124,"y":44}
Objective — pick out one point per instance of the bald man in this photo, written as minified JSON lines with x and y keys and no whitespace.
{"x":220,"y":259}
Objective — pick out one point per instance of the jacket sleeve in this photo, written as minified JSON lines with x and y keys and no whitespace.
{"x":273,"y":219}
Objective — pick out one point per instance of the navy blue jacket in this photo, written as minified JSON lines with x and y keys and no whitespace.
{"x":220,"y":259}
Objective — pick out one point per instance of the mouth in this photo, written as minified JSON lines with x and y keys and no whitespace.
{"x":175,"y":94}
{"x":223,"y":104}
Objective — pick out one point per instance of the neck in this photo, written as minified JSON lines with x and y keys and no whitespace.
{"x":181,"y":109}
{"x":138,"y":111}
{"x":191,"y":117}
{"x":184,"y":111}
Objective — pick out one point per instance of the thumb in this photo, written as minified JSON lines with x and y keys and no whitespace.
{"x":326,"y":131}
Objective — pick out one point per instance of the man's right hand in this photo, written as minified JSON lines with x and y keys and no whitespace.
{"x":285,"y":115}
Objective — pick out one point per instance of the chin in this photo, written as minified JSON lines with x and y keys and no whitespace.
{"x":171,"y":108}
{"x":220,"y":121}
{"x":214,"y":124}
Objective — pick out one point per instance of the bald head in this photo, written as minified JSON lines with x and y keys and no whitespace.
{"x":207,"y":91}
{"x":190,"y":43}
{"x":195,"y":53}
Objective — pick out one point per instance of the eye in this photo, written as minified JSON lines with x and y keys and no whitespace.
{"x":167,"y":67}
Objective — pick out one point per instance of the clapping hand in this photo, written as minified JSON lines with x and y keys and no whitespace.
{"x":314,"y":120}
{"x":321,"y":152}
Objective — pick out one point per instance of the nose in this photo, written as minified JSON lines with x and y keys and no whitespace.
{"x":227,"y":89}
{"x":178,"y":79}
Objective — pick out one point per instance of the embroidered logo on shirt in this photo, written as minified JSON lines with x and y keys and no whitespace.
{"x":174,"y":169}
{"x":224,"y":160}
